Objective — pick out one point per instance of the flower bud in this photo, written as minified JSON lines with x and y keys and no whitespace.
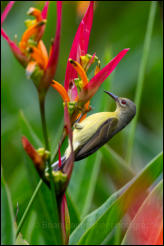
{"x":33,"y":154}
{"x":60,"y":181}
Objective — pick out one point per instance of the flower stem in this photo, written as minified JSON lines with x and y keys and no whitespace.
{"x":57,"y":237}
{"x":43,"y":119}
{"x":52,"y":186}
{"x":140,"y":80}
{"x":28,"y":207}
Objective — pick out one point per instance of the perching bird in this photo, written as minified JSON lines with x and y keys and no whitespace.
{"x":97,"y":129}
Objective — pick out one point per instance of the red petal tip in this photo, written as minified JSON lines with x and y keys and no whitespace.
{"x":79,"y":46}
{"x":6,"y":11}
{"x":45,"y":10}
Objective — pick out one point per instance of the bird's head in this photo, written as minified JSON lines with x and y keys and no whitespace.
{"x":124,"y":105}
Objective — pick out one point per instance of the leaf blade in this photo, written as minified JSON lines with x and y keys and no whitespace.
{"x":118,"y":169}
{"x":148,"y":220}
{"x":7,"y":221}
{"x":28,"y":131}
{"x":88,"y":231}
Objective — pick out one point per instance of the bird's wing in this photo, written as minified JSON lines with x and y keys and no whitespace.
{"x":102,"y":135}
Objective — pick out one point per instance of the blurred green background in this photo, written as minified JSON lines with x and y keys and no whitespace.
{"x":116,"y":25}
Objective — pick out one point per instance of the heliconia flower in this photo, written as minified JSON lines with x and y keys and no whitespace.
{"x":31,"y":51}
{"x":45,"y":10}
{"x":15,"y":49}
{"x":6,"y":11}
{"x":90,"y":88}
{"x":33,"y":154}
{"x":78,"y":51}
{"x":54,"y":52}
{"x":81,"y":7}
{"x":79,"y":48}
{"x":78,"y":89}
{"x":38,"y":157}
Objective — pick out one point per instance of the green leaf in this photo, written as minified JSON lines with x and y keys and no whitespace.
{"x":141,"y":75}
{"x":44,"y":227}
{"x":41,"y":204}
{"x":97,"y":225}
{"x":73,"y":212}
{"x":31,"y":231}
{"x":28,"y":131}
{"x":146,"y":226}
{"x":82,"y":186}
{"x":7,"y":219}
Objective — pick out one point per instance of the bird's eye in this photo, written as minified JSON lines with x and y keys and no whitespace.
{"x":123,"y":102}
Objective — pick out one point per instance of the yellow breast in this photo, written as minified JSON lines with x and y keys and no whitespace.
{"x":88,"y":128}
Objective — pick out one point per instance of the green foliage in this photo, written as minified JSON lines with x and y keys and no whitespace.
{"x":7,"y":225}
{"x":97,"y":225}
{"x":44,"y":211}
{"x":140,"y":82}
{"x":118,"y":170}
{"x":88,"y":172}
{"x":96,"y":206}
{"x":27,"y":131}
{"x":148,"y":216}
{"x":73,"y":211}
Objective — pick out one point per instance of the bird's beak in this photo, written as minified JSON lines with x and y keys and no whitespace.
{"x":112,"y":95}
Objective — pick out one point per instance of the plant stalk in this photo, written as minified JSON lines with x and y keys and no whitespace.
{"x":28,"y":207}
{"x":52,"y":186}
{"x":54,"y":202}
{"x":140,"y":80}
{"x":43,"y":120}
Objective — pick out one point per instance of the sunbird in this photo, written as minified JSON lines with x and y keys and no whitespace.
{"x":97,"y":129}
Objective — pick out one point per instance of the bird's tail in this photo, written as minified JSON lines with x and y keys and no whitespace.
{"x":55,"y":165}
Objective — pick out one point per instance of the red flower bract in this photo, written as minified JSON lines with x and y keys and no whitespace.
{"x":78,"y":89}
{"x":90,"y":89}
{"x":79,"y":48}
{"x":31,"y":51}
